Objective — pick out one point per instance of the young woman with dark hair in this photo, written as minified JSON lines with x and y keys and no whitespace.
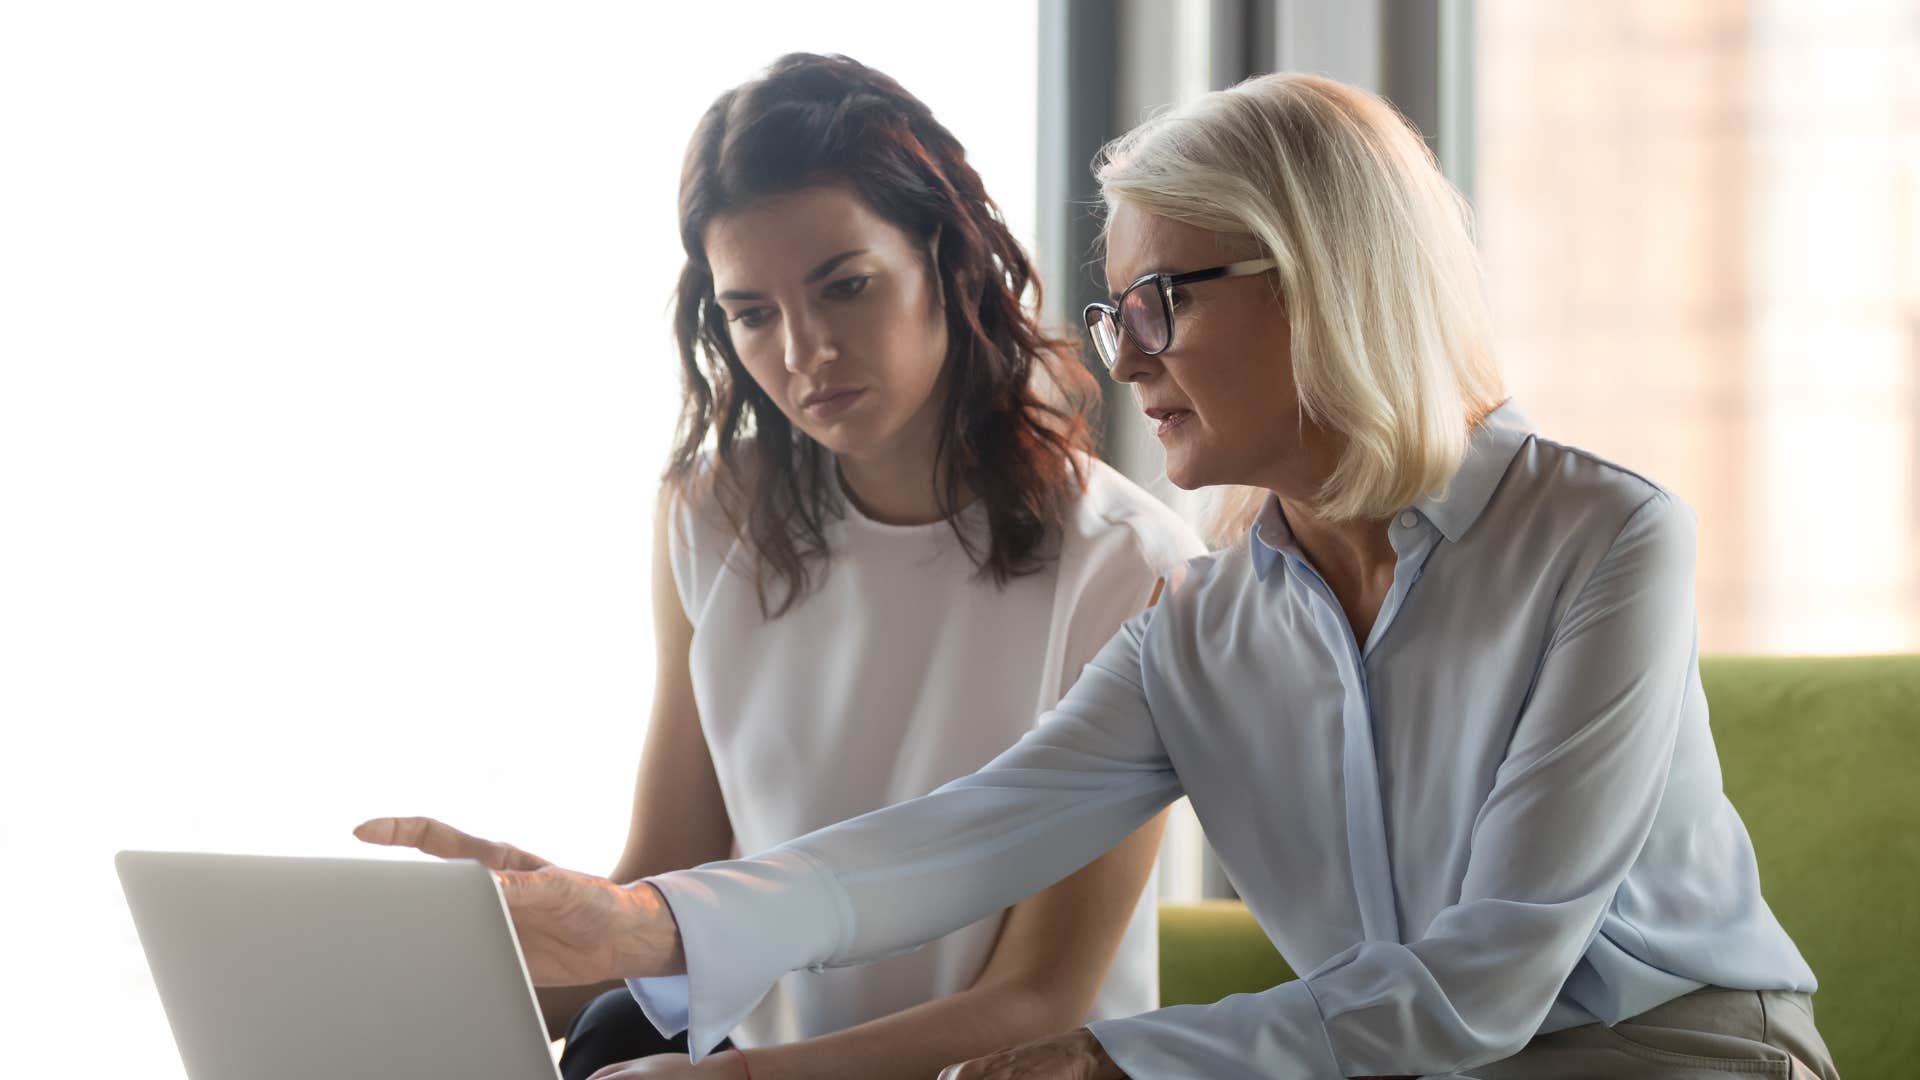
{"x":883,"y":546}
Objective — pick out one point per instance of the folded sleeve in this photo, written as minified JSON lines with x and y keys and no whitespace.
{"x":1089,"y":774}
{"x":1570,"y":809}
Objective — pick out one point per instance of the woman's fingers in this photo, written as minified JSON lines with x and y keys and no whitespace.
{"x":436,"y":838}
{"x":673,"y":1065}
{"x":1075,"y":1055}
{"x":443,"y":841}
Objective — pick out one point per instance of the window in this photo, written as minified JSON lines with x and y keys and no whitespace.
{"x":1701,"y":227}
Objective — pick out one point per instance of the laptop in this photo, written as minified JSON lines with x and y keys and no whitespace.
{"x":328,"y":968}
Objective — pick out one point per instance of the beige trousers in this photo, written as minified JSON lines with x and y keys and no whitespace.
{"x":1710,"y":1034}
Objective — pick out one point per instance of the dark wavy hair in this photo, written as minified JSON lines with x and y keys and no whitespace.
{"x":1017,"y":400}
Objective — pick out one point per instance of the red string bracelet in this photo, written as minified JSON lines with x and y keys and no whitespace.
{"x":748,"y":1069}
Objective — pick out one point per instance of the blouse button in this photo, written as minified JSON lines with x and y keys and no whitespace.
{"x":1408,"y":520}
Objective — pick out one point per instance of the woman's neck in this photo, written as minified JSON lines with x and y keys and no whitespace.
{"x":1355,"y":558}
{"x":893,"y":489}
{"x":898,"y":483}
{"x":1347,"y":549}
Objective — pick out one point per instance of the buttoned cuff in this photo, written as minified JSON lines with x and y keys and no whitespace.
{"x":743,"y":924}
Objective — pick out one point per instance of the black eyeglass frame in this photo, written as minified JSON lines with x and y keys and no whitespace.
{"x":1165,"y":282}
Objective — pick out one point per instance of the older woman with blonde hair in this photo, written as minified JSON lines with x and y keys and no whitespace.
{"x":1439,"y":710}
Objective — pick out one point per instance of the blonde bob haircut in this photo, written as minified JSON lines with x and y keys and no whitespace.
{"x":1377,"y":269}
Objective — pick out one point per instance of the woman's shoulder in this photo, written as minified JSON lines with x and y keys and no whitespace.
{"x":1560,"y":486}
{"x":1565,"y":511}
{"x":1111,"y":507}
{"x":693,"y":497}
{"x":701,"y":505}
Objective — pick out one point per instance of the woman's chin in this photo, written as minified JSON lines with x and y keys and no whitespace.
{"x":1183,"y":474}
{"x":845,"y":440}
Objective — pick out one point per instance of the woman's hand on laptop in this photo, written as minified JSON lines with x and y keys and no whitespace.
{"x":574,"y":929}
{"x":443,"y":841}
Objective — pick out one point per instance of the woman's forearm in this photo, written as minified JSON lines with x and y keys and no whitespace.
{"x":1091,"y":773}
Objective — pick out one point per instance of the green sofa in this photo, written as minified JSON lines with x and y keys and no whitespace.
{"x":1822,"y":759}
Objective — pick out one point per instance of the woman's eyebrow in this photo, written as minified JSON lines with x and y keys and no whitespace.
{"x":813,"y":275}
{"x":829,"y":266}
{"x":1114,"y":297}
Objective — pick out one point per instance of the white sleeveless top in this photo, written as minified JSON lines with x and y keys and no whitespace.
{"x":904,"y":669}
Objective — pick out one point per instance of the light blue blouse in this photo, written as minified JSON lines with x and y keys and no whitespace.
{"x":1499,"y":815}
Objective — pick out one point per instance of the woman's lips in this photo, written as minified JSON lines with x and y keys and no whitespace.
{"x":1167,"y":419}
{"x":825,"y":404}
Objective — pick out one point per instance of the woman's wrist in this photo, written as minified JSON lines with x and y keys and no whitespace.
{"x":1099,"y":1065}
{"x":653,"y":937}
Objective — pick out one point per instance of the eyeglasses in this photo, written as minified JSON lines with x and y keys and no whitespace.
{"x":1145,"y":310}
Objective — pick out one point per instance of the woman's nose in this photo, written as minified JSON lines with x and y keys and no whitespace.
{"x":809,"y":344}
{"x":1129,"y":363}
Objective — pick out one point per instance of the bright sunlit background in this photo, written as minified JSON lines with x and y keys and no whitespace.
{"x":1701,"y":228}
{"x":337,"y":383}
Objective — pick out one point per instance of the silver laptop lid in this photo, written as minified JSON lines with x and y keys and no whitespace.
{"x":324,"y":968}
